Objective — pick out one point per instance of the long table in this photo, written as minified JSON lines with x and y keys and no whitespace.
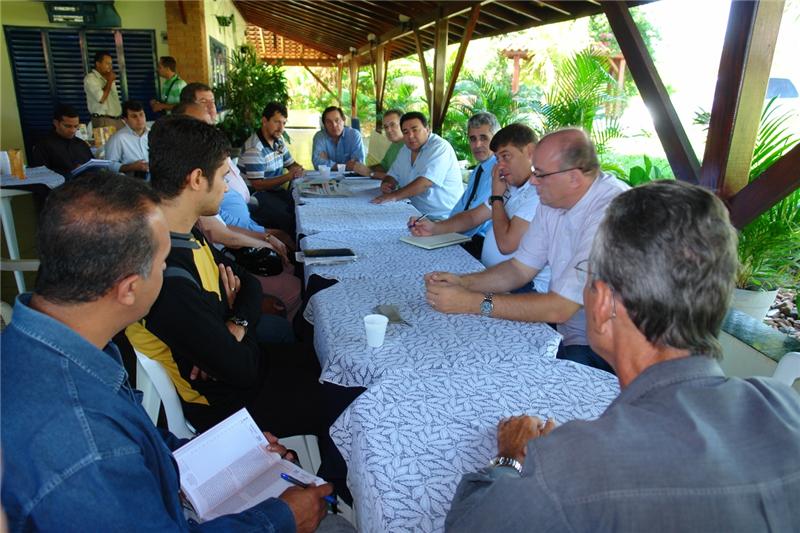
{"x":436,"y":388}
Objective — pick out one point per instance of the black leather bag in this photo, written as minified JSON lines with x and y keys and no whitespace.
{"x":259,"y":261}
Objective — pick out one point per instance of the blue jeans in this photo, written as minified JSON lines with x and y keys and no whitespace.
{"x":274,"y":328}
{"x":584,"y":355}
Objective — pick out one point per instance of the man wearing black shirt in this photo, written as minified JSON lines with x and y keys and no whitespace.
{"x":60,"y":150}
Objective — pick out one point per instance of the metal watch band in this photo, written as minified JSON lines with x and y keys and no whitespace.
{"x":506,"y":461}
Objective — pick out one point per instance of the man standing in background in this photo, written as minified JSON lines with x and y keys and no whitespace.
{"x":102,"y":97}
{"x":171,"y":90}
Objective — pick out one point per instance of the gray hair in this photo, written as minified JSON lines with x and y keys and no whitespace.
{"x":479,"y":119}
{"x":577,"y":150}
{"x":669,"y":253}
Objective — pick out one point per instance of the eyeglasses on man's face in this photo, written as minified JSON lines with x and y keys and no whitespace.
{"x":582,"y":273}
{"x":538,"y":175}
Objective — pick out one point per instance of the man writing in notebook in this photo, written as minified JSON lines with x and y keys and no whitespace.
{"x":79,"y":451}
{"x":425,"y":171}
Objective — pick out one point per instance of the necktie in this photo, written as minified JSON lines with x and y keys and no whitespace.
{"x":474,"y":187}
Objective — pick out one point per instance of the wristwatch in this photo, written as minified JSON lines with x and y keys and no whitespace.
{"x":493,"y":199}
{"x":372,"y":174}
{"x":487,"y":305}
{"x":239,"y":321}
{"x":506,"y":461}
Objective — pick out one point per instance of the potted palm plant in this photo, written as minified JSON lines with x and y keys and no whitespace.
{"x":250,"y":86}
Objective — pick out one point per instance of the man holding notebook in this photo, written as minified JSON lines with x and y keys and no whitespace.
{"x":79,"y":451}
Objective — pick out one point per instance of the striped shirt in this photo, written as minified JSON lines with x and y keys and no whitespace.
{"x":259,"y":160}
{"x":171,"y":90}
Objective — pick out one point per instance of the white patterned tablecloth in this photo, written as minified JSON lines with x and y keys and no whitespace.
{"x":34,"y":176}
{"x":352,"y":214}
{"x":409,"y":439}
{"x":435,"y":340}
{"x":382,"y":254}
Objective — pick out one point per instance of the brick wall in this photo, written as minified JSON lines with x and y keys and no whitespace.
{"x":188,"y":43}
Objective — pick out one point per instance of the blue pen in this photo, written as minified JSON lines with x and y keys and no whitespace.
{"x":423,"y":217}
{"x":302,"y":485}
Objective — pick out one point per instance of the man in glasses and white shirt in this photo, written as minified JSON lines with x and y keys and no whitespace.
{"x":574,"y":194}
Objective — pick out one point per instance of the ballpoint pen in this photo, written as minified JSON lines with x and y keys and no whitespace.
{"x":423,"y":217}
{"x":290,"y":479}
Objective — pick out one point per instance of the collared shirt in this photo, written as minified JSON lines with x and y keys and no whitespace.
{"x":682,"y":448}
{"x":94,"y":84}
{"x":233,"y":209}
{"x":521,"y":202}
{"x":391,"y":155}
{"x":125,"y":147}
{"x":260,"y":160}
{"x":350,"y":146}
{"x":79,"y":451}
{"x":562,"y":238}
{"x":437,"y":162}
{"x":59,"y":154}
{"x":482,"y":193}
{"x":171,"y":90}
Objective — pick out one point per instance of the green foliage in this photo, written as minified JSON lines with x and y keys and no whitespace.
{"x":251,"y":84}
{"x":618,"y":163}
{"x":578,"y":97}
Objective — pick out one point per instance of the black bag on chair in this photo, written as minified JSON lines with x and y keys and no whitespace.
{"x":260,"y":261}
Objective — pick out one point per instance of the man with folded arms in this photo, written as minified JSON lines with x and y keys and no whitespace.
{"x":574,"y":194}
{"x":683,"y":448}
{"x":79,"y":451}
{"x":426,"y":169}
{"x":128,"y":148}
{"x":509,"y":209}
{"x":391,"y":126}
{"x":336,"y":143}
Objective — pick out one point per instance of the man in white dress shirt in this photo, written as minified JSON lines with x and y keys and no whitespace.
{"x":102,"y":97}
{"x":128,"y":148}
{"x":574,"y":194}
{"x":426,"y":170}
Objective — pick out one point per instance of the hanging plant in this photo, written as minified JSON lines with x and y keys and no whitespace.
{"x":224,"y":21}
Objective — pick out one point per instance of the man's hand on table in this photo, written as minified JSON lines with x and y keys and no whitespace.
{"x":421,"y":228}
{"x":513,"y":434}
{"x":452,"y":299}
{"x":361,"y":169}
{"x":296,"y":171}
{"x":385,"y":198}
{"x":351,"y":164}
{"x":307,"y":505}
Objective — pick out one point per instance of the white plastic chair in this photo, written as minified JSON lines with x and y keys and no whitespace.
{"x":154,"y":382}
{"x":788,"y":369}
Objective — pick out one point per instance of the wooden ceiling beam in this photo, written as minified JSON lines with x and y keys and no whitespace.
{"x":523,"y":8}
{"x":679,"y":151}
{"x":739,"y":96}
{"x":501,"y":13}
{"x":773,"y":185}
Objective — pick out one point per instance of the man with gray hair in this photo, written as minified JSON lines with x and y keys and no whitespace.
{"x":683,"y":448}
{"x":574,"y":195}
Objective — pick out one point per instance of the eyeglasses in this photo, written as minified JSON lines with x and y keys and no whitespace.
{"x":582,"y":273}
{"x":540,"y":176}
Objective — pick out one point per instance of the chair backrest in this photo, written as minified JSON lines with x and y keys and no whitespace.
{"x":788,"y":369}
{"x":154,"y":382}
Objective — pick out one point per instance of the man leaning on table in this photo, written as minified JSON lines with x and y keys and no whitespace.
{"x":574,"y":195}
{"x":79,"y":451}
{"x":336,"y":143}
{"x":426,"y":170}
{"x":683,"y":448}
{"x":391,"y":126}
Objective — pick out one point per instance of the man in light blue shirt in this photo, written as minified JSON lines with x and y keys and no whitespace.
{"x":426,"y":170}
{"x":336,"y":143}
{"x":481,"y":128}
{"x":128,"y":148}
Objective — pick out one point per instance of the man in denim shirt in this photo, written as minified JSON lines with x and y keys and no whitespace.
{"x":79,"y":451}
{"x":683,"y":448}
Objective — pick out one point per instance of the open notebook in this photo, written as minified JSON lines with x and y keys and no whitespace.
{"x":436,"y":241}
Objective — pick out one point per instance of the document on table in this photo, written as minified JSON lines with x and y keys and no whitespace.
{"x":436,"y":241}
{"x":228,"y":469}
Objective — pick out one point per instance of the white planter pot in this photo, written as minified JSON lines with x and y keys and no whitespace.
{"x":756,"y":304}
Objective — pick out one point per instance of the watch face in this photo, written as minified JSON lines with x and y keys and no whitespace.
{"x":486,"y":307}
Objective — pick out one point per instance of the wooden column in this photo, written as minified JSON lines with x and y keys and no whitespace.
{"x":354,"y":65}
{"x":739,"y":97}
{"x":439,"y":74}
{"x":339,"y":75}
{"x":679,"y":151}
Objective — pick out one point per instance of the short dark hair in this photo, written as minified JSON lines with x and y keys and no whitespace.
{"x":187,"y":93}
{"x":669,"y":252}
{"x":98,"y":57}
{"x":274,"y":107}
{"x":518,"y":134}
{"x":169,"y":62}
{"x":395,"y":111}
{"x":131,"y":105}
{"x":65,"y":110}
{"x":412,"y":115}
{"x":94,"y":231}
{"x":180,"y":108}
{"x":328,"y":110}
{"x":180,"y":144}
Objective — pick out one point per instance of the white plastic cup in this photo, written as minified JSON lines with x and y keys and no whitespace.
{"x":5,"y":163}
{"x":325,"y":172}
{"x":341,"y":168}
{"x":376,"y":329}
